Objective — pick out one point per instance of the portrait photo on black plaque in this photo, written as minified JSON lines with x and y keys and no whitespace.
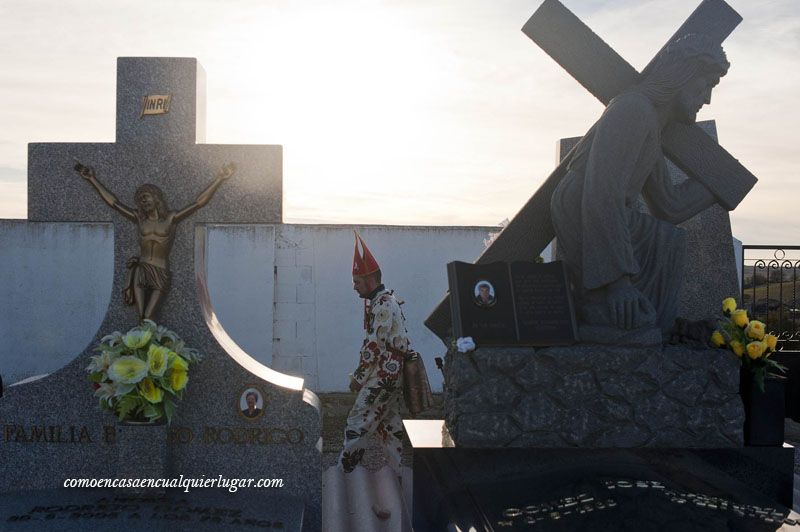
{"x":522,"y":303}
{"x":484,"y":293}
{"x":251,"y":403}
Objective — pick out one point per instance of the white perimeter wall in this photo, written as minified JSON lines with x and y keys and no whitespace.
{"x":284,"y":292}
{"x":55,"y":285}
{"x":319,"y":318}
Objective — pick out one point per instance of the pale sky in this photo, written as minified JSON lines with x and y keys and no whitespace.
{"x":411,"y":112}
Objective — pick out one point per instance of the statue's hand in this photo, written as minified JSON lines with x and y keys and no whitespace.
{"x":86,"y":172}
{"x":227,"y":171}
{"x":628,"y":307}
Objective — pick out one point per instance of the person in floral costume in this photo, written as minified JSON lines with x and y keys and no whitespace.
{"x":378,"y":377}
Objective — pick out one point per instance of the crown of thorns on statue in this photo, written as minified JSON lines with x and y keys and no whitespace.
{"x":154,"y":191}
{"x":682,"y":60}
{"x":693,"y":48}
{"x":699,"y":47}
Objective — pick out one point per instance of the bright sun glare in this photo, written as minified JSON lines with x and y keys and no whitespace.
{"x":346,"y":75}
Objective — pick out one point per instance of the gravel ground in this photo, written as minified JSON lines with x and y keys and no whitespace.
{"x":335,"y":407}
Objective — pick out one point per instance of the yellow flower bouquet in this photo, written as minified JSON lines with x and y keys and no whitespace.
{"x":749,"y":341}
{"x":140,"y":375}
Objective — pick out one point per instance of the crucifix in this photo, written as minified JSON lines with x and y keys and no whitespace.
{"x":156,"y":156}
{"x":607,"y":75}
{"x":147,"y":281}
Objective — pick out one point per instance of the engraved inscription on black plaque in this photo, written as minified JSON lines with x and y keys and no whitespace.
{"x":523,"y":303}
{"x":543,"y":303}
{"x":671,"y":490}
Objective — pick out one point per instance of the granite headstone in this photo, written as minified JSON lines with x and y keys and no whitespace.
{"x":53,"y":429}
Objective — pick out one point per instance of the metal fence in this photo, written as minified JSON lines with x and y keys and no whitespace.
{"x":770,"y":291}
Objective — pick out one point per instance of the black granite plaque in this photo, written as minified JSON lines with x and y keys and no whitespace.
{"x":602,"y":489}
{"x":483,"y":304}
{"x":522,"y":303}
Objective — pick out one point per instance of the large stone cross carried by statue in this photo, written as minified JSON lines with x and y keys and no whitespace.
{"x":605,"y":74}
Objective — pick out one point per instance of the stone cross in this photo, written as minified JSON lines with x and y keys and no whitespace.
{"x":160,"y":119}
{"x":605,"y":74}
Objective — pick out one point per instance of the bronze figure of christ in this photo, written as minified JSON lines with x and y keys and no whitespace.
{"x":148,"y":276}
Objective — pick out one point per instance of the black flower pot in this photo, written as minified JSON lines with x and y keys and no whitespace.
{"x":763,"y":411}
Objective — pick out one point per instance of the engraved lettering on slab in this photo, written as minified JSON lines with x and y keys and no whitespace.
{"x":156,"y":104}
{"x":108,"y":511}
{"x":238,"y":435}
{"x":46,"y":434}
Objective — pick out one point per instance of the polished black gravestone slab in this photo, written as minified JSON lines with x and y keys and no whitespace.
{"x":522,"y":303}
{"x":199,"y":510}
{"x":602,"y":489}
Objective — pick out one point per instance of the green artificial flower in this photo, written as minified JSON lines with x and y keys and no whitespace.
{"x":99,"y":363}
{"x":112,"y":339}
{"x":109,"y":390}
{"x":127,"y":370}
{"x":178,"y":379}
{"x":177,"y":362}
{"x":157,"y":359}
{"x":136,"y":339}
{"x":150,"y":391}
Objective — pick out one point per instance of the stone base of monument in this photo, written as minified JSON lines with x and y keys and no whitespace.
{"x":593,"y":396}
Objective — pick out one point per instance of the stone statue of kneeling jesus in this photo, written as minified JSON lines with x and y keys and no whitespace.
{"x":627,"y":266}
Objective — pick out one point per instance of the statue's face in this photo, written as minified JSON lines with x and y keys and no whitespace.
{"x":692,"y":97}
{"x":146,"y":201}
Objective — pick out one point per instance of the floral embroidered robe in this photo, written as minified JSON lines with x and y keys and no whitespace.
{"x":379,"y":372}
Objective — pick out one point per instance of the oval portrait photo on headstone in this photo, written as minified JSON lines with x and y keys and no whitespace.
{"x":251,"y":403}
{"x":484,"y":295}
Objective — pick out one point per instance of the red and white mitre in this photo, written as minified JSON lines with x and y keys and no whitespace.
{"x":364,"y":262}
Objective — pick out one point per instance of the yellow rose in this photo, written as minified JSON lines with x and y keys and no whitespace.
{"x":755,"y":350}
{"x":739,"y":317}
{"x":772,"y":341}
{"x":717,"y":339}
{"x":728,"y":306}
{"x":157,"y":358}
{"x":756,"y":330}
{"x":150,"y":391}
{"x":177,"y":362}
{"x":737,"y":348}
{"x":178,"y":379}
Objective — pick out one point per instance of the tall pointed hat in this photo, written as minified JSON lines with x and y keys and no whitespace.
{"x":363,"y":263}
